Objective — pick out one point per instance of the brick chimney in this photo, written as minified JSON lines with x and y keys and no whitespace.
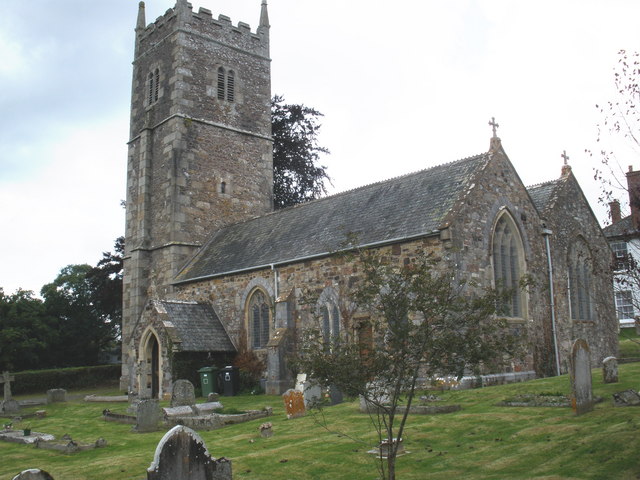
{"x":633,"y":184}
{"x":614,"y":211}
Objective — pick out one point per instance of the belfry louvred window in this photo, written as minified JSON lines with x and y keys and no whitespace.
{"x":153,"y":86}
{"x":226,"y":87}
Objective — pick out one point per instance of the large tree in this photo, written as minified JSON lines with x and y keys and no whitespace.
{"x":297,"y":175}
{"x":26,"y":332}
{"x":423,"y":324}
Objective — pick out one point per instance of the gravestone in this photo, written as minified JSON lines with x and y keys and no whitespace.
{"x":213,"y":397}
{"x":182,"y":455}
{"x":33,"y":474}
{"x":335,"y":395}
{"x":183,"y":394}
{"x":147,"y":416}
{"x":8,"y":405}
{"x":378,"y":396}
{"x":266,"y":430}
{"x":610,"y":370}
{"x":311,"y":392}
{"x":294,"y":403}
{"x":56,"y":395}
{"x":582,"y":399}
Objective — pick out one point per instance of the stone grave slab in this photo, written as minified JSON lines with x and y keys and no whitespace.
{"x":610,"y":370}
{"x":183,"y":394}
{"x":626,"y":398}
{"x":294,"y":403}
{"x":18,"y":436}
{"x":582,"y":394}
{"x":183,"y":455}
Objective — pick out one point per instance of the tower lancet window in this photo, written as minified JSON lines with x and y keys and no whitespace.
{"x":226,"y":88}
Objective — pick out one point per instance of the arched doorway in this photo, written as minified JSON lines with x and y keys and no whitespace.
{"x":151,"y":371}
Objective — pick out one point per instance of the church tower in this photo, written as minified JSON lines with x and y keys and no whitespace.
{"x":200,"y":148}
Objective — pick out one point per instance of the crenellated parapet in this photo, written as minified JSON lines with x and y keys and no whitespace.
{"x":221,"y":30}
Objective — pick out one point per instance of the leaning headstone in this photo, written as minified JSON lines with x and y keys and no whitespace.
{"x":183,"y":394}
{"x":33,"y":474}
{"x":182,"y":455}
{"x":610,"y":370}
{"x":294,"y":403}
{"x":8,"y":404}
{"x":582,"y":399}
{"x":56,"y":395}
{"x":147,"y":416}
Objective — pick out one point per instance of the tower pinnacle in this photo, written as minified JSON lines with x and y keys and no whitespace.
{"x":264,"y":15}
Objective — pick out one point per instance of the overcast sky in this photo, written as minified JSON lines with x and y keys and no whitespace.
{"x":404,"y":85}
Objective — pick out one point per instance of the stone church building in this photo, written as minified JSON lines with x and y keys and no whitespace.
{"x":212,"y":270}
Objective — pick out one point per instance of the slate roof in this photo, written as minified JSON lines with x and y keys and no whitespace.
{"x":196,"y":326}
{"x":542,"y":194}
{"x":405,"y":207}
{"x":620,"y":229}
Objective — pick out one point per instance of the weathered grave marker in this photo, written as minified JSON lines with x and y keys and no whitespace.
{"x":33,"y":474}
{"x":182,"y":455}
{"x":610,"y":370}
{"x":8,"y":405}
{"x":294,"y":403}
{"x":147,"y":416}
{"x":183,"y":394}
{"x":582,"y":399}
{"x":55,"y":395}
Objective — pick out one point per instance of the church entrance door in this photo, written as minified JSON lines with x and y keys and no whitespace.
{"x":151,"y":375}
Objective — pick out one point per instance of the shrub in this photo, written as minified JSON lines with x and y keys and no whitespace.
{"x":39,"y":381}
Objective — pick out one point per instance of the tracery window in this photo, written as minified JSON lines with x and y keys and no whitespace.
{"x":226,"y":84}
{"x":508,"y":266}
{"x":581,"y":281}
{"x":259,"y":313}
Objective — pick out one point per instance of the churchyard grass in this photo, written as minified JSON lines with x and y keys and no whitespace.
{"x":629,"y":343}
{"x":482,"y":441}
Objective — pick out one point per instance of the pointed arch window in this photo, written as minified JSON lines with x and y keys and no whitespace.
{"x":581,"y":281}
{"x":226,"y":87}
{"x":259,"y":313}
{"x":508,"y":266}
{"x":330,"y":315}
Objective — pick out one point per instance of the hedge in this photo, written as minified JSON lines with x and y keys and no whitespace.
{"x":39,"y":381}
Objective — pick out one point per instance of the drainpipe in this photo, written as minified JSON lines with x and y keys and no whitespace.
{"x":275,"y":282}
{"x":547,"y":233}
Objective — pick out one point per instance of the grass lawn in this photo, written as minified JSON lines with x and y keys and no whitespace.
{"x":482,"y":441}
{"x":629,"y":343}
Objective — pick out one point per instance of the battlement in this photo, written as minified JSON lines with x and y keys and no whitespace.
{"x":182,"y":17}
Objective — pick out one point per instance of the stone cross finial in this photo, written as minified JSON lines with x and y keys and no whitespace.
{"x":7,"y":378}
{"x":565,"y":157}
{"x":494,"y":126}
